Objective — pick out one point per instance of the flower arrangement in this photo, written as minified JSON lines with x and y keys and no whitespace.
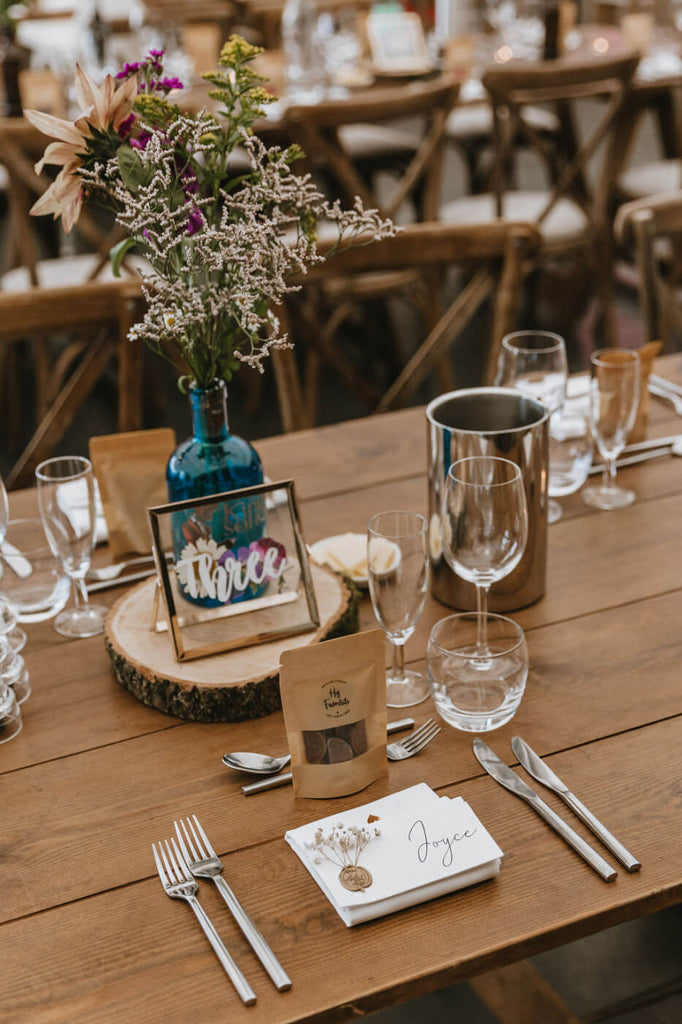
{"x":220,"y":247}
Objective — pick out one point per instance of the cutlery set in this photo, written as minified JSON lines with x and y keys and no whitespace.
{"x":179,"y":863}
{"x":400,"y":751}
{"x":536,"y":767}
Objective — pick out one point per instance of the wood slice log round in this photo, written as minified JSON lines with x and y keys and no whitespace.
{"x":229,"y":687}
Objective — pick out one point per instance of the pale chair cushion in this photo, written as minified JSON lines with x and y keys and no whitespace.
{"x":476,"y":120}
{"x":365,"y":141}
{"x":62,"y":272}
{"x":651,"y":179}
{"x":564,"y":225}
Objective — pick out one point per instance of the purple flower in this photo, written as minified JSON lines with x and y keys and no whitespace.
{"x":195,"y":223}
{"x":228,"y":556}
{"x":125,"y":126}
{"x":169,"y":83}
{"x":141,"y":141}
{"x":130,"y":69}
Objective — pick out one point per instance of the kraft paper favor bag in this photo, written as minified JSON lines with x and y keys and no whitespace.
{"x":334,"y":703}
{"x":131,"y":473}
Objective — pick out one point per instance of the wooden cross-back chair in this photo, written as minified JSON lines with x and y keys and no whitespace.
{"x":21,"y":145}
{"x":654,"y":227}
{"x":102,"y":312}
{"x":349,"y":139}
{"x":495,"y":256}
{"x":571,"y":216}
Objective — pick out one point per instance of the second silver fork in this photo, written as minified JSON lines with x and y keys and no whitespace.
{"x":179,"y":885}
{"x":413,"y":743}
{"x":203,"y":862}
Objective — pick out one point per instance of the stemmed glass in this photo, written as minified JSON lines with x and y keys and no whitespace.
{"x":66,"y":496}
{"x":535,"y":363}
{"x":16,"y":635}
{"x":398,"y":569}
{"x":570,"y":452}
{"x":614,"y":397}
{"x":484,"y":526}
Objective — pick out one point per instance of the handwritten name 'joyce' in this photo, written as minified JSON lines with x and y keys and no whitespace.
{"x":417,"y":834}
{"x":220,"y":581}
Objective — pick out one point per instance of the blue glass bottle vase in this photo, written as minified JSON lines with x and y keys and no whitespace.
{"x":213,"y":461}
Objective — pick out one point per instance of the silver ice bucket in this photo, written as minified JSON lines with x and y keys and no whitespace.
{"x":505,"y":423}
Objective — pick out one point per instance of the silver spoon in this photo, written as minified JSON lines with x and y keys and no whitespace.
{"x":632,"y":460}
{"x":264,"y":764}
{"x":256,"y":764}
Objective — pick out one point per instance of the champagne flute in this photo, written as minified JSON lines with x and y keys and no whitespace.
{"x":535,"y":362}
{"x":397,"y":569}
{"x":66,"y":496}
{"x":484,"y":526}
{"x":614,"y":397}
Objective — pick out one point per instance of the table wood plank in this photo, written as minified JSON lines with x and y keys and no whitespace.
{"x":131,"y":954}
{"x":586,"y":683}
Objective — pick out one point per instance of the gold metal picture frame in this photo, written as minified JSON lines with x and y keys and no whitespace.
{"x":233,"y":570}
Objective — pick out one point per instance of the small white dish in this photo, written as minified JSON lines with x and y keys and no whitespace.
{"x":345,"y":553}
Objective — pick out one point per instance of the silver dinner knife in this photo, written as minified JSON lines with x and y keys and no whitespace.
{"x":283,"y":780}
{"x":536,"y":767}
{"x":499,"y":771}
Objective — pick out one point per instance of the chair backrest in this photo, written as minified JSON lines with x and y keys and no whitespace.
{"x":494,"y":255}
{"x":97,"y":317}
{"x":561,"y":83}
{"x":21,"y":145}
{"x":647,"y":223}
{"x":316,"y":127}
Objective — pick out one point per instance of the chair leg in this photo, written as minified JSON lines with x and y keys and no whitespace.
{"x":518,"y":994}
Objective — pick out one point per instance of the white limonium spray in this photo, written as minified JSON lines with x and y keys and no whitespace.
{"x":220,"y":248}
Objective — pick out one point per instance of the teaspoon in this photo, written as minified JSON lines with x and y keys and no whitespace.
{"x":256,"y":764}
{"x":264,"y":764}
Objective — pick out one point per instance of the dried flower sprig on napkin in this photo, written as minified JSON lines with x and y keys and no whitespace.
{"x":342,"y":846}
{"x":221,"y":244}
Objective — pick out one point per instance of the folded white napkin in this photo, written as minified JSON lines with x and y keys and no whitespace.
{"x":427,"y":846}
{"x":78,"y":510}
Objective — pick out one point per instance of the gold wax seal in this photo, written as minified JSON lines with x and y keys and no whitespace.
{"x":354,"y":878}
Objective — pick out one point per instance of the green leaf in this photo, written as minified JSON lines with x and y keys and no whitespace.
{"x":117,"y":252}
{"x":133,"y":171}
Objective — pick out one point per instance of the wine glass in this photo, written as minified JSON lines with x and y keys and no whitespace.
{"x":397,"y":569}
{"x":66,"y":496}
{"x":614,"y":397}
{"x":535,"y":363}
{"x":17,"y":636}
{"x":570,"y":451}
{"x":484,"y":526}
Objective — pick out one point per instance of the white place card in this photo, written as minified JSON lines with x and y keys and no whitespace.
{"x":427,"y":846}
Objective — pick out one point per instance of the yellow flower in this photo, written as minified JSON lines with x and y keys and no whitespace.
{"x":103,"y":107}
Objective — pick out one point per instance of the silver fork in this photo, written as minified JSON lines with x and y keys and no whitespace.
{"x":203,"y":862}
{"x":179,"y":885}
{"x":408,"y":747}
{"x":415,"y":742}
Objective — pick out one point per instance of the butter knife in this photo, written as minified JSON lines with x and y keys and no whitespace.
{"x":283,"y":780}
{"x":119,"y":581}
{"x":499,"y":771}
{"x":536,"y":767}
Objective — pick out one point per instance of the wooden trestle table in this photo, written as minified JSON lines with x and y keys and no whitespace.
{"x":86,"y":932}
